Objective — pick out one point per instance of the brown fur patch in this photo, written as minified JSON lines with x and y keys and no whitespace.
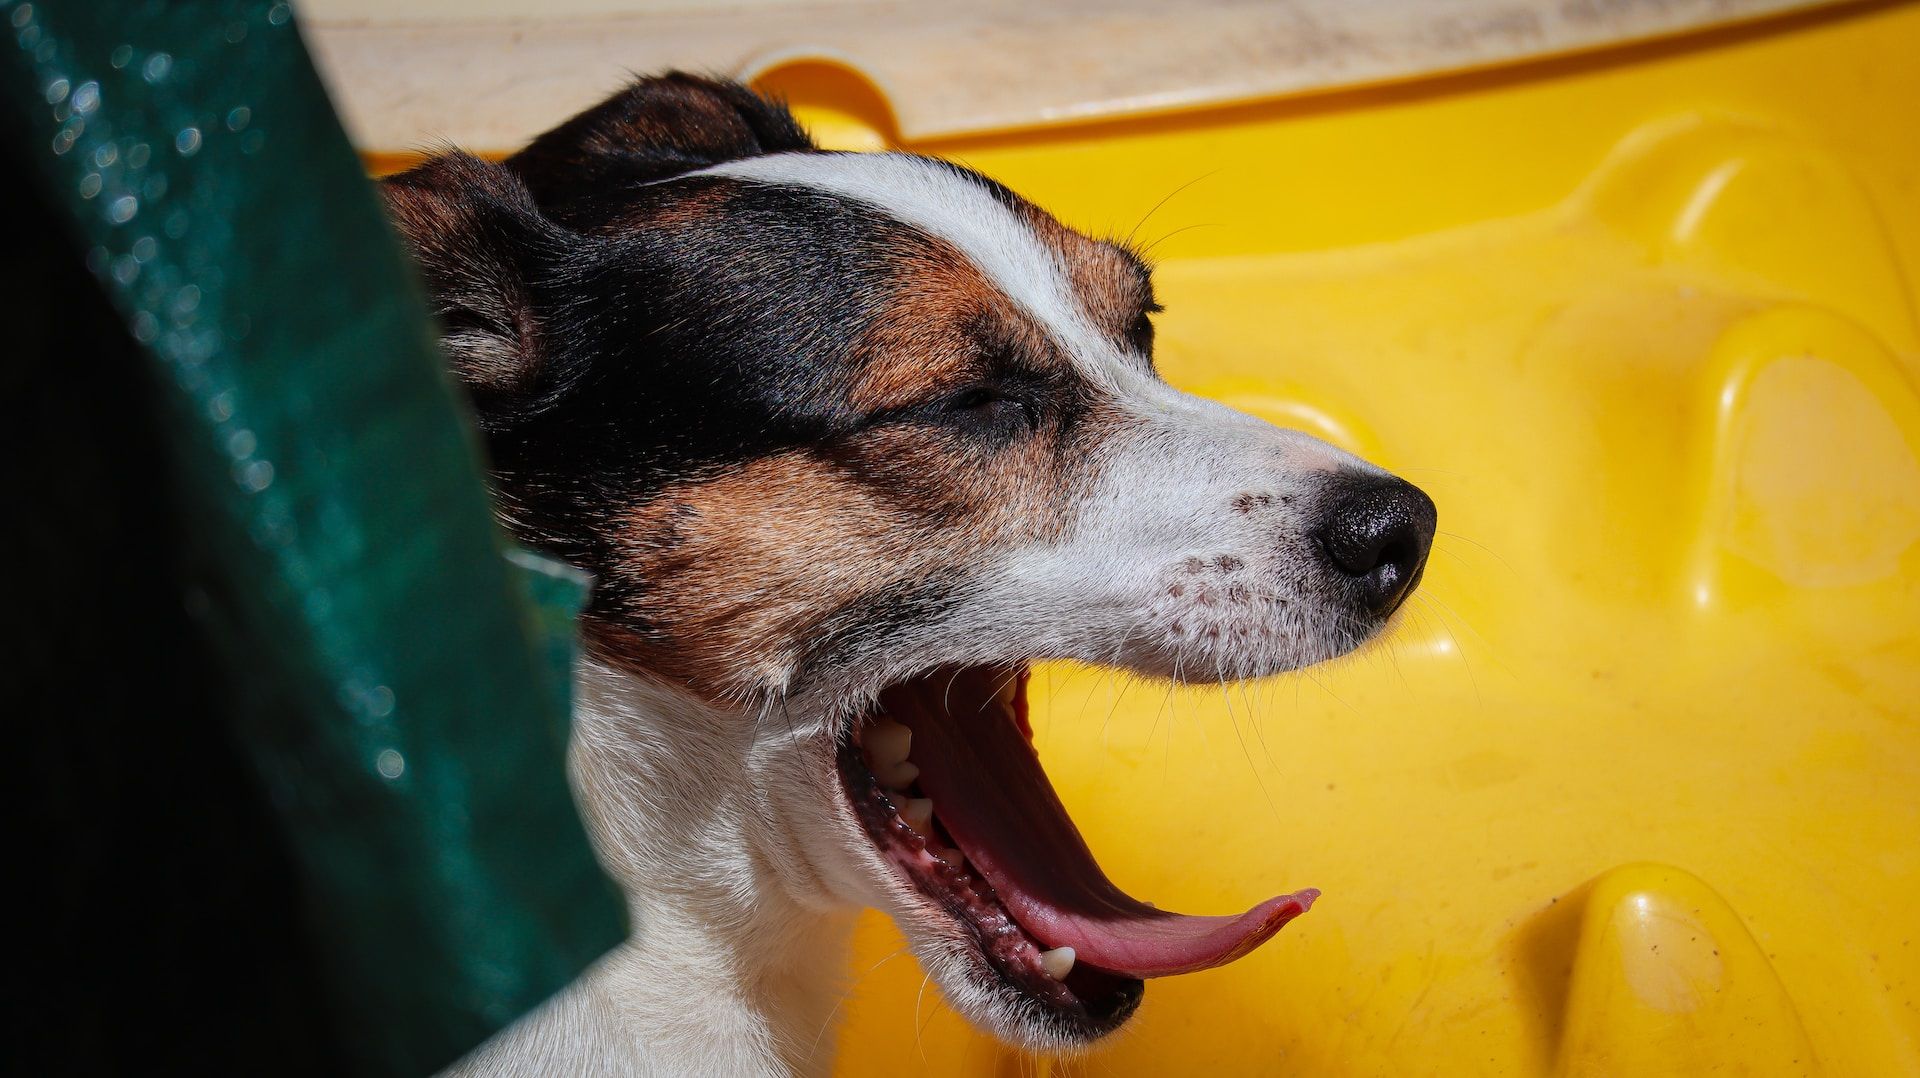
{"x":732,"y":583}
{"x":1110,"y":282}
{"x":734,"y":578}
{"x":941,"y":328}
{"x":684,"y":206}
{"x":480,"y":294}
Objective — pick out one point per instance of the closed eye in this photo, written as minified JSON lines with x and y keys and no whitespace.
{"x":1140,"y":330}
{"x":973,"y":397}
{"x":985,"y":405}
{"x":977,"y":409}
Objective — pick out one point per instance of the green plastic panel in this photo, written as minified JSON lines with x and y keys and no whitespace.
{"x":396,"y":685}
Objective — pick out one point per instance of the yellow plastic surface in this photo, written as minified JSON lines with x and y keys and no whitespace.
{"x":1634,"y":788}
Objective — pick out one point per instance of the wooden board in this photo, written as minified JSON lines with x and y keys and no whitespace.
{"x":407,"y":75}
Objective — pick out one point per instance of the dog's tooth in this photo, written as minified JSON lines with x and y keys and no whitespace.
{"x":953,"y":858}
{"x":1004,"y":696}
{"x":886,"y":743}
{"x":897,"y":776}
{"x":918,"y":813}
{"x":1057,"y":963}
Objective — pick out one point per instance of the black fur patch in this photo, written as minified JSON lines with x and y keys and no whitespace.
{"x":584,"y":170}
{"x":624,"y":328}
{"x":617,"y":333}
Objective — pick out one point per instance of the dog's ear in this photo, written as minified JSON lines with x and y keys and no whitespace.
{"x":655,"y":128}
{"x":481,"y":246}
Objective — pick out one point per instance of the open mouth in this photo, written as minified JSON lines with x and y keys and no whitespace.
{"x":944,"y":776}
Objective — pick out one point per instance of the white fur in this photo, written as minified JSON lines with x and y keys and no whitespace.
{"x":714,"y":826}
{"x":1161,"y":519}
{"x":931,"y":197}
{"x":742,"y":871}
{"x":727,"y":830}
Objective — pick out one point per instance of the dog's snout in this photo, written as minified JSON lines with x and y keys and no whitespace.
{"x":1376,"y":531}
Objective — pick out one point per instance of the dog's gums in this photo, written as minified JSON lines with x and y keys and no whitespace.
{"x":945,"y":779}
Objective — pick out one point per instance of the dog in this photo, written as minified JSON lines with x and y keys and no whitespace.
{"x":847,"y":441}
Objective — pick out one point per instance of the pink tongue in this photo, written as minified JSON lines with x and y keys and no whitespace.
{"x":990,"y":794}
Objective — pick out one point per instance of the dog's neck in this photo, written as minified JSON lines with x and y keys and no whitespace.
{"x":738,"y":945}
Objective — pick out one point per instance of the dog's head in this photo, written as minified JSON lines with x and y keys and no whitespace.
{"x":864,"y":435}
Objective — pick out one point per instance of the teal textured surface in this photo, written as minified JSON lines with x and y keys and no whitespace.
{"x":399,"y":685}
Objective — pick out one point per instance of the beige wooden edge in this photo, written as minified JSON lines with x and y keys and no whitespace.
{"x":947,"y":69}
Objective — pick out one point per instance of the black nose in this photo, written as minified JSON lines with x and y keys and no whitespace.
{"x":1377,"y":531}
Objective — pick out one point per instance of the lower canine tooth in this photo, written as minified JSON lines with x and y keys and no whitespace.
{"x":897,"y":776}
{"x":1057,"y":963}
{"x":918,"y":813}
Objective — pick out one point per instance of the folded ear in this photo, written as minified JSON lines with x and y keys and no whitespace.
{"x":655,"y":128}
{"x":481,"y":245}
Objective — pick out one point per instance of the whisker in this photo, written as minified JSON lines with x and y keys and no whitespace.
{"x":1244,"y":751}
{"x":846,"y":994}
{"x":1168,"y":197}
{"x":1148,"y":249}
{"x":946,"y":697}
{"x":920,"y":1024}
{"x":1318,"y":684}
{"x":1436,"y":606}
{"x":998,"y":689}
{"x":1492,"y":553}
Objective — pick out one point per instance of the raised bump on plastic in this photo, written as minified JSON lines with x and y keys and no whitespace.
{"x":1582,"y":324}
{"x":1812,"y":470}
{"x":1760,"y":207}
{"x":1668,"y":981}
{"x":838,"y":104}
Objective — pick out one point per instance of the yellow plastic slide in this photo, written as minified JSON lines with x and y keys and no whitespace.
{"x":1634,"y":789}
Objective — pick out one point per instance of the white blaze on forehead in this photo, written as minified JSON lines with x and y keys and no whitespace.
{"x":941,"y":202}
